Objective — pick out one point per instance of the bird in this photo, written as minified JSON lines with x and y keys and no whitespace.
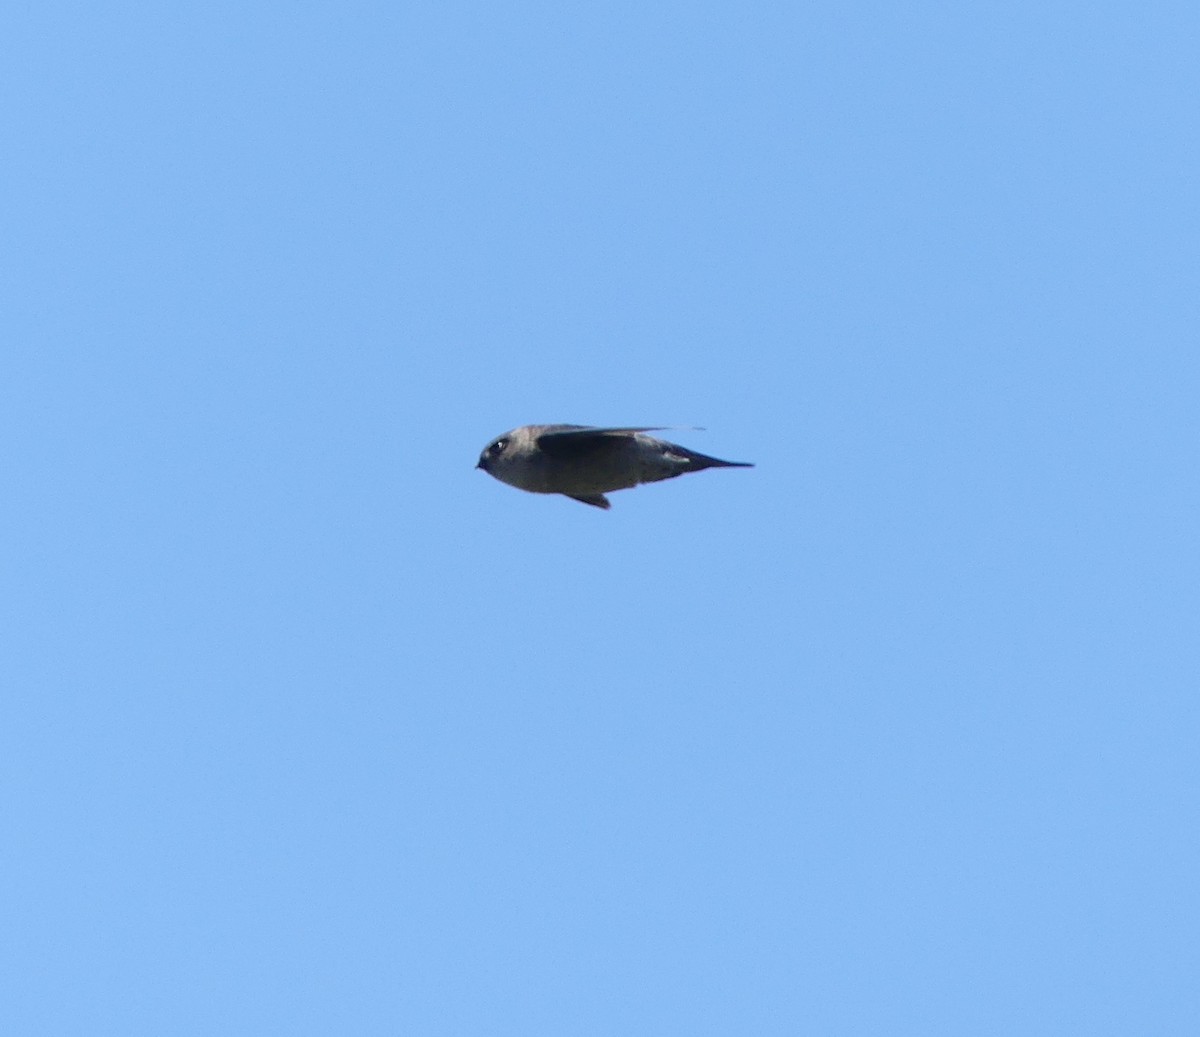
{"x":584,"y":462}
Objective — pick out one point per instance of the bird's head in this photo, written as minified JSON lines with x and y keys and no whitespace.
{"x":492,"y":453}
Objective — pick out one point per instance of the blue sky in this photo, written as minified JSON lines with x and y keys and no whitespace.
{"x":310,"y":728}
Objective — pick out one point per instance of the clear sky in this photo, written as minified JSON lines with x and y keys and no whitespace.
{"x":309,"y":728}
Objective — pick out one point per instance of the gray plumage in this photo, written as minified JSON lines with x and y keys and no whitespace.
{"x":585,"y":462}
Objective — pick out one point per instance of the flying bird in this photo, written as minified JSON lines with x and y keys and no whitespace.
{"x":584,"y":462}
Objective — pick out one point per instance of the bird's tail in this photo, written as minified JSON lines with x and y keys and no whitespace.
{"x":698,"y":462}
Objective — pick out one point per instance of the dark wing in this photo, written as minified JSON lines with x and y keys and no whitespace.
{"x":597,"y":500}
{"x":583,"y":431}
{"x":570,"y":442}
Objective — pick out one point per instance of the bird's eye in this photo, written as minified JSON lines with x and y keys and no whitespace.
{"x":498,"y":446}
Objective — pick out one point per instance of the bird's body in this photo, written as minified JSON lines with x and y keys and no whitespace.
{"x":585,"y":462}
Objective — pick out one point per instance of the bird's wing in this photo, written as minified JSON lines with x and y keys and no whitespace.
{"x":587,"y":431}
{"x":573,"y":442}
{"x":597,"y":500}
